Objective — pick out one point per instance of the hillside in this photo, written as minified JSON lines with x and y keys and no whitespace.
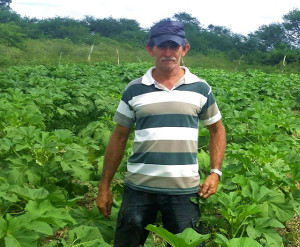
{"x":25,"y":41}
{"x":61,"y":52}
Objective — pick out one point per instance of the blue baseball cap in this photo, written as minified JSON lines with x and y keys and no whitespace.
{"x":167,"y":31}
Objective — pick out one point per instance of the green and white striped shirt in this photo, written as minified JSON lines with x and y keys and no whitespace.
{"x":164,"y":157}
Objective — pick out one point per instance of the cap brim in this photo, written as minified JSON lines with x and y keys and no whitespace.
{"x":167,"y":37}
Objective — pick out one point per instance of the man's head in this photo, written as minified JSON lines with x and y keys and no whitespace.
{"x":167,"y":45}
{"x":167,"y":31}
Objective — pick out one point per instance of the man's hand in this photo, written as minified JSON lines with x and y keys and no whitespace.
{"x":210,"y":185}
{"x":112,"y":159}
{"x":104,"y":202}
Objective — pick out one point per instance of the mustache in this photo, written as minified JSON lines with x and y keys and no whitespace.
{"x":168,"y":59}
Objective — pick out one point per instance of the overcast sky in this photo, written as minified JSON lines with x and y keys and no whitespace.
{"x":241,"y":16}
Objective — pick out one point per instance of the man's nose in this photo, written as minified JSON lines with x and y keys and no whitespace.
{"x":168,"y":51}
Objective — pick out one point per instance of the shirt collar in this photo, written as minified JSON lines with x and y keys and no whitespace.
{"x":188,"y":77}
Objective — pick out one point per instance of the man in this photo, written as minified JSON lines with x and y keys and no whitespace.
{"x":165,"y":105}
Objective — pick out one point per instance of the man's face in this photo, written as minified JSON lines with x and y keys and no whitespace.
{"x":167,"y":55}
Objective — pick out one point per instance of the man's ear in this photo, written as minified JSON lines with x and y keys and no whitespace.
{"x":149,"y":50}
{"x":185,"y":50}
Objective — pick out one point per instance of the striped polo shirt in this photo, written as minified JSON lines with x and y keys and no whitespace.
{"x":164,"y":155}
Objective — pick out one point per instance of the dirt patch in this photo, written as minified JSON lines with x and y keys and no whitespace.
{"x":291,"y":232}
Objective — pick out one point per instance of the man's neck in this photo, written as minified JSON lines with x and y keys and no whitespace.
{"x":168,"y":78}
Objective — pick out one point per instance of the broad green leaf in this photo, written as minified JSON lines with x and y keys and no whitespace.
{"x":64,"y":136}
{"x":53,"y":243}
{"x":57,"y":196}
{"x":62,"y":111}
{"x":40,"y":227}
{"x":271,"y":202}
{"x":28,"y":223}
{"x":75,"y":161}
{"x":94,"y":218}
{"x":204,"y":160}
{"x":16,"y":223}
{"x":296,"y":195}
{"x":221,"y":239}
{"x":273,"y":238}
{"x":50,"y":214}
{"x":255,"y":192}
{"x":6,"y":194}
{"x":297,"y":207}
{"x":247,"y":210}
{"x":85,"y":236}
{"x":29,"y":194}
{"x":189,"y":237}
{"x":11,"y":241}
{"x":3,"y":227}
{"x":296,"y":203}
{"x":5,"y":144}
{"x":296,"y":173}
{"x":34,"y":174}
{"x":231,"y":200}
{"x":243,"y":242}
{"x":267,"y":222}
{"x":240,"y":180}
{"x":261,"y":225}
{"x":17,"y":170}
{"x":283,"y":211}
{"x":22,"y":238}
{"x":282,"y":208}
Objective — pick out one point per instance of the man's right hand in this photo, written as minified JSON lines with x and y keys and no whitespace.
{"x":104,"y":201}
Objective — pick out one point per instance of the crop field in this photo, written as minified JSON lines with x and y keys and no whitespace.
{"x":55,"y":123}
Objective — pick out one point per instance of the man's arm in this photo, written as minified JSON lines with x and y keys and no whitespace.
{"x":112,"y":159}
{"x":217,"y":147}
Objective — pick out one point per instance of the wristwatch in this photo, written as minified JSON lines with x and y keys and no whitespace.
{"x":217,"y":171}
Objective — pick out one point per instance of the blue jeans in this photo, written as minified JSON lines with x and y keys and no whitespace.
{"x":140,"y":208}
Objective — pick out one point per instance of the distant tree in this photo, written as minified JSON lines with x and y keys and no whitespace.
{"x":269,"y":37}
{"x":107,"y":27}
{"x":219,"y":30}
{"x":5,"y":3}
{"x":64,"y":28}
{"x":186,"y":18}
{"x":292,"y":25}
{"x":7,"y":15}
{"x":192,"y":24}
{"x":31,"y":27}
{"x":123,"y":29}
{"x":129,"y":25}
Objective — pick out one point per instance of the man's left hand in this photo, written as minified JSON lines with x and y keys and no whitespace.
{"x":210,"y":185}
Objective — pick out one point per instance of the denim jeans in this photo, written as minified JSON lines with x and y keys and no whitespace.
{"x":140,"y":208}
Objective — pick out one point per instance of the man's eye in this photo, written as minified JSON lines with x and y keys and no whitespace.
{"x":174,"y":46}
{"x":171,"y":46}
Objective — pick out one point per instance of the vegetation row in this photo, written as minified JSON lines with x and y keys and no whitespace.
{"x":55,"y":123}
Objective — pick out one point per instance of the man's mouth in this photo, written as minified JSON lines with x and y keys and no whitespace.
{"x":168,"y":59}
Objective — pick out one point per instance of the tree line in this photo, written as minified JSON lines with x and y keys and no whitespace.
{"x":268,"y":45}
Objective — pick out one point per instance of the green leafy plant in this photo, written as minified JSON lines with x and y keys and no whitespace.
{"x":55,"y":123}
{"x":189,"y":237}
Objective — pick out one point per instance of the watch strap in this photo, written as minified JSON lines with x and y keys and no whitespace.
{"x":217,"y":171}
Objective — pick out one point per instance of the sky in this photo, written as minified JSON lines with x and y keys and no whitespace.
{"x":240,"y":16}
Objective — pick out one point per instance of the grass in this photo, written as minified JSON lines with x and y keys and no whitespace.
{"x":57,"y":51}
